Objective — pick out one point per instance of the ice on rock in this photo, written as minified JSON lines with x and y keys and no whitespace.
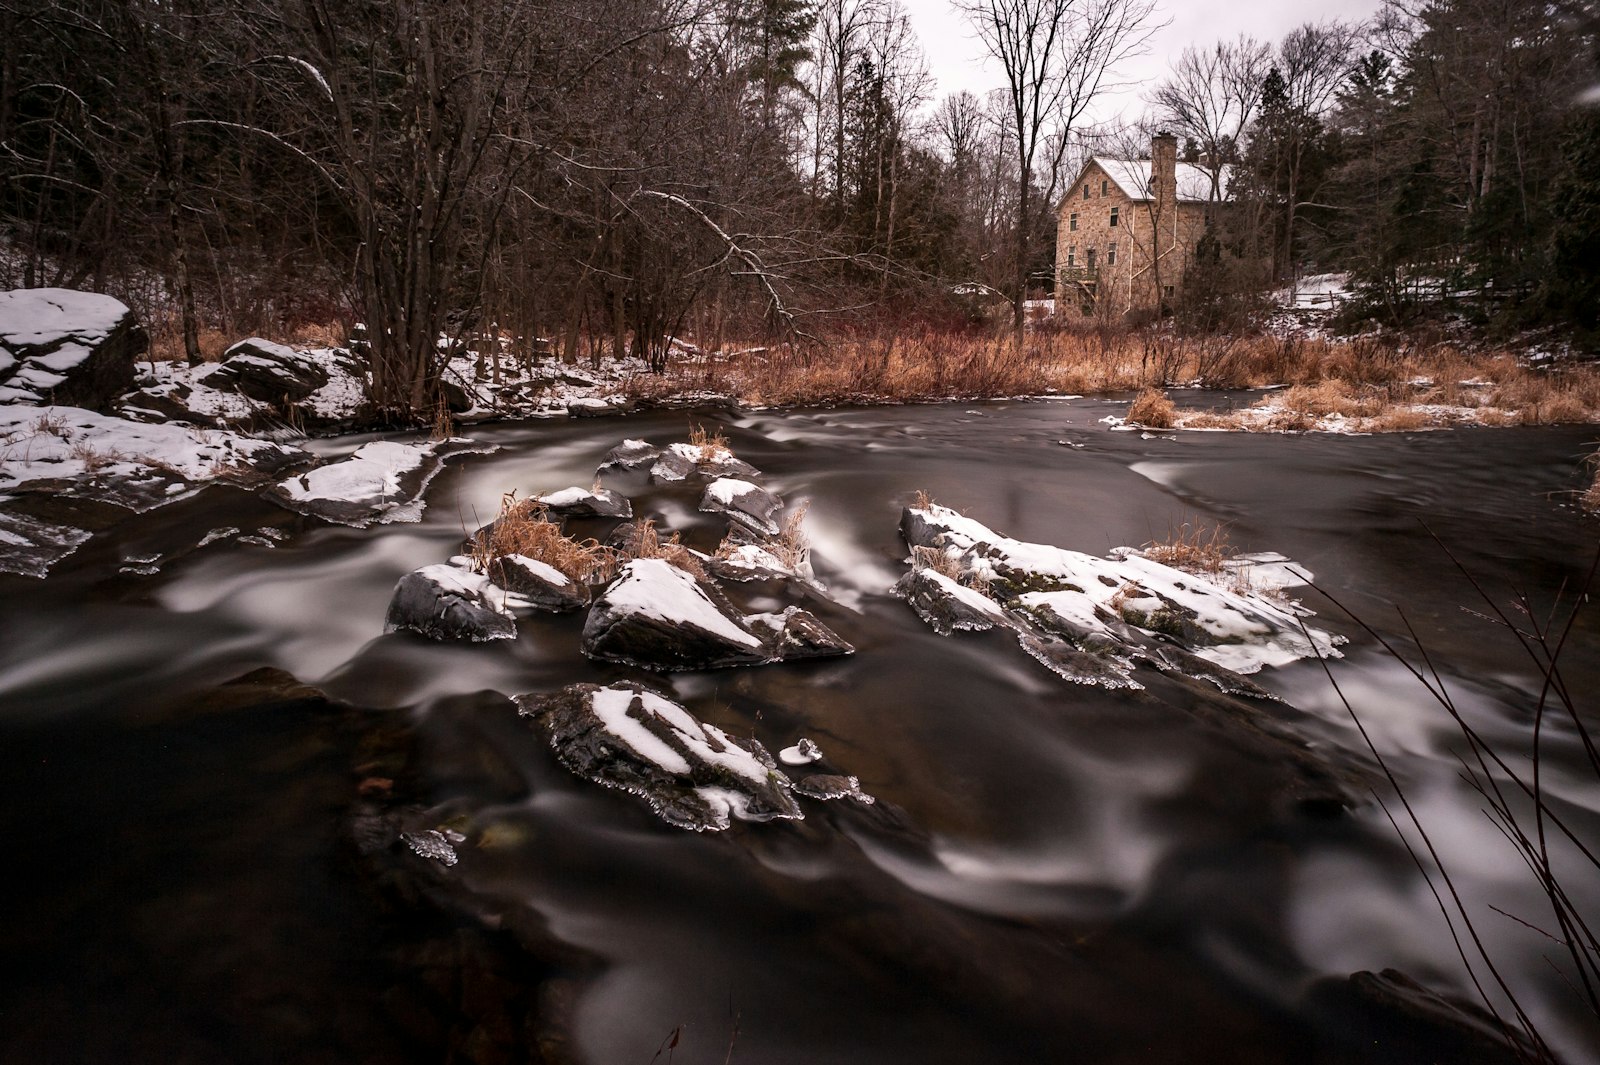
{"x":802,"y":753}
{"x":692,"y":774}
{"x":1088,"y":618}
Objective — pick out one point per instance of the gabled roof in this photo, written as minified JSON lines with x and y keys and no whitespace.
{"x":1133,"y":178}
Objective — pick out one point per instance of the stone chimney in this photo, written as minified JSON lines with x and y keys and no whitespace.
{"x":1164,"y":172}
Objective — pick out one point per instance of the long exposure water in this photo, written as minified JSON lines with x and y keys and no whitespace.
{"x":1051,"y":872}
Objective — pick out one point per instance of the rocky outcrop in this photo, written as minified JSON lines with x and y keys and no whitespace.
{"x":692,"y":774}
{"x":744,"y":502}
{"x":657,"y":616}
{"x":268,"y":372}
{"x":445,"y":603}
{"x":66,"y":347}
{"x":679,"y":462}
{"x":381,"y":483}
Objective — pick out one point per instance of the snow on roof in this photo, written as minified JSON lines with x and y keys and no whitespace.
{"x":1194,"y":182}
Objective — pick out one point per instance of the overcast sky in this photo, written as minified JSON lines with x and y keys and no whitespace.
{"x":958,"y":61}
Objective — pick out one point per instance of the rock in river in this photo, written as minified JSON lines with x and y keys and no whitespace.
{"x":657,"y":616}
{"x":692,"y":774}
{"x":445,"y":603}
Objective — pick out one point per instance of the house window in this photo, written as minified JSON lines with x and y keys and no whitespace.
{"x":1111,"y":255}
{"x":1102,"y":186}
{"x":1167,"y":291}
{"x":1088,"y":259}
{"x":1086,"y":190}
{"x":1072,"y":256}
{"x":1072,"y":221}
{"x":1113,"y":217}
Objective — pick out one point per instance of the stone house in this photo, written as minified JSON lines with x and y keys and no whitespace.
{"x":1131,"y":229}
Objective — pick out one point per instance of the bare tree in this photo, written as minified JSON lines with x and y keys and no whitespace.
{"x":1057,"y":56}
{"x":1210,"y":98}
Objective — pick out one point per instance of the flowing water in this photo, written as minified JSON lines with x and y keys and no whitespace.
{"x":1051,"y":872}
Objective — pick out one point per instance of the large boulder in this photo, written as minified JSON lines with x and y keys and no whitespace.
{"x":445,"y":603}
{"x":271,"y":373}
{"x":744,"y":502}
{"x":692,"y":774}
{"x":381,"y":483}
{"x":658,"y":616}
{"x":66,"y":347}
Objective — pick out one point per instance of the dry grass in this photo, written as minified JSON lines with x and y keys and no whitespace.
{"x":1363,"y":377}
{"x":95,"y":459}
{"x":921,"y":500}
{"x":646,"y":542}
{"x":712,"y":446}
{"x":1590,"y":499}
{"x":1193,"y":548}
{"x":1153,"y":409}
{"x":791,"y":546}
{"x":523,"y":527}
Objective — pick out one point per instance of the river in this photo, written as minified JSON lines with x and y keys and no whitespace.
{"x":1050,"y":873}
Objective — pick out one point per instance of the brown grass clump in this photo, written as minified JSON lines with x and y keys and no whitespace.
{"x":94,"y":459}
{"x":523,"y":527}
{"x":646,"y":542}
{"x":1400,"y":420}
{"x":1153,"y":409}
{"x":1556,"y":408}
{"x":791,"y":546}
{"x":1590,"y":499}
{"x":712,"y":446}
{"x":1208,"y":419}
{"x":921,"y":500}
{"x":1193,"y":548}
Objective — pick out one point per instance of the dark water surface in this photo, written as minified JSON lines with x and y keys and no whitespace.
{"x":1052,"y":873}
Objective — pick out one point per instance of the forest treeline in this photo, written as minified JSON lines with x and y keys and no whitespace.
{"x":586,"y":176}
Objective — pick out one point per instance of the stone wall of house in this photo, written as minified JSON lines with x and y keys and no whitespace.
{"x":1143,"y":268}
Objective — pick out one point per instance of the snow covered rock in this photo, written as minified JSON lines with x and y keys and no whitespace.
{"x":30,"y":546}
{"x":679,"y":462}
{"x":657,"y":616}
{"x":949,"y":605}
{"x":381,"y":483}
{"x":543,"y":586}
{"x":446,"y":603}
{"x":693,"y":775}
{"x":630,"y":455}
{"x":744,"y":502}
{"x":796,"y":634}
{"x":756,"y":562}
{"x":1076,"y":596}
{"x":584,"y":503}
{"x":268,"y":372}
{"x":58,"y":345}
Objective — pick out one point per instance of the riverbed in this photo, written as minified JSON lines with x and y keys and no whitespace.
{"x":1050,"y":872}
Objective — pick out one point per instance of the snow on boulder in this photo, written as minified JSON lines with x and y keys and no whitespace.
{"x":540,"y":584}
{"x":1075,"y":595}
{"x":446,"y":603}
{"x":657,"y":616}
{"x":744,"y":502}
{"x":947,"y":604}
{"x":679,"y":462}
{"x":59,"y":345}
{"x":630,"y":455}
{"x":692,"y":774}
{"x":796,"y":634}
{"x":757,"y":562}
{"x":381,"y":483}
{"x":268,"y":372}
{"x":586,"y":503}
